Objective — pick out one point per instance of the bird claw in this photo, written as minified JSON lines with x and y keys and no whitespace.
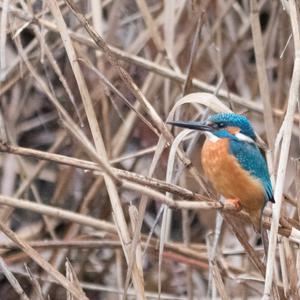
{"x":236,"y":203}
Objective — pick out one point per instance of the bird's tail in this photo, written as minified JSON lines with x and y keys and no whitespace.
{"x":255,"y":217}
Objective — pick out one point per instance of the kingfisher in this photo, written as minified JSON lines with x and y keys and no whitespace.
{"x":233,"y":162}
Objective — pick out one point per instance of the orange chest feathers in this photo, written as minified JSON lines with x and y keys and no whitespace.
{"x":228,"y":177}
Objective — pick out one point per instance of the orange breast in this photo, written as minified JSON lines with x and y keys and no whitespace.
{"x":228,"y":177}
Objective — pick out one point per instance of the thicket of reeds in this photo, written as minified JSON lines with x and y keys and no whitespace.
{"x":98,"y":199}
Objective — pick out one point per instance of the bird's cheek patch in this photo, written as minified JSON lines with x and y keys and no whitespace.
{"x":233,"y":130}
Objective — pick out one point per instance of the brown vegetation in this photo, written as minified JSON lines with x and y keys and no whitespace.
{"x":98,"y":199}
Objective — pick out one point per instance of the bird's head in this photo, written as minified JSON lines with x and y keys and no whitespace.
{"x":222,"y":125}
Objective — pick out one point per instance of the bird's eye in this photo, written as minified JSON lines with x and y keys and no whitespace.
{"x":218,"y":125}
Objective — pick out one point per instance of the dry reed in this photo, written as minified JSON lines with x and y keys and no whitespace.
{"x":99,"y":199}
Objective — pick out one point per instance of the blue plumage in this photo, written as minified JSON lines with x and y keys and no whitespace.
{"x":251,"y":159}
{"x":247,"y":154}
{"x":234,"y":120}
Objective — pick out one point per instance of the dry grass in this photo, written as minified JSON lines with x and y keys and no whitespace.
{"x":100,"y":199}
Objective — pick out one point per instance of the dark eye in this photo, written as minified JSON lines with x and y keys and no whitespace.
{"x":218,"y":125}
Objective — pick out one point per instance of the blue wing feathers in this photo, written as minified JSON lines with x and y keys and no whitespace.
{"x":251,"y":159}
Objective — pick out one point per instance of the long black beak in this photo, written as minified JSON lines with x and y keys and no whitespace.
{"x":202,"y":126}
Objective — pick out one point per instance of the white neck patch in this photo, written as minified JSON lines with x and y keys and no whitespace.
{"x":244,"y":138}
{"x":211,"y":137}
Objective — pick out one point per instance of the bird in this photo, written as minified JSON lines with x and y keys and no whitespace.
{"x":233,"y":162}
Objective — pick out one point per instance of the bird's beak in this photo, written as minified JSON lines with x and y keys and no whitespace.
{"x":202,"y":126}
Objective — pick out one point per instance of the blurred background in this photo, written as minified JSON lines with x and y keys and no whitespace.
{"x":103,"y":110}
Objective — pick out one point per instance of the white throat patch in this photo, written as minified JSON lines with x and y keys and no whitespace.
{"x":211,"y":137}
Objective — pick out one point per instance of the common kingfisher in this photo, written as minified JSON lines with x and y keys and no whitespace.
{"x":233,"y":163}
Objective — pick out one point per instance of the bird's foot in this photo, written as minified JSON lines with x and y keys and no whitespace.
{"x":236,"y":203}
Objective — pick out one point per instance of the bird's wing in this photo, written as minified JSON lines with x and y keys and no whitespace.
{"x":250,"y":158}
